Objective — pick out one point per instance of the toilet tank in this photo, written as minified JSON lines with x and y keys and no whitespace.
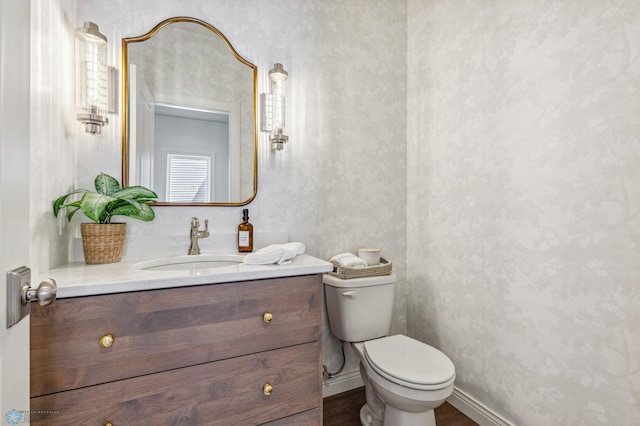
{"x":359,"y":309}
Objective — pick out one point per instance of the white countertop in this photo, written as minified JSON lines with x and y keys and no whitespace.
{"x":79,"y":279}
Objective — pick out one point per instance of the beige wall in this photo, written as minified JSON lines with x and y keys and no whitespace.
{"x":52,"y":126}
{"x":524,"y":203}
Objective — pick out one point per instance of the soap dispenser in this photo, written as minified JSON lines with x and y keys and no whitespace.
{"x":245,"y":233}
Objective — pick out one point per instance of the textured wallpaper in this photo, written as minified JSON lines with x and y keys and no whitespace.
{"x":524,"y":203}
{"x":53,"y":127}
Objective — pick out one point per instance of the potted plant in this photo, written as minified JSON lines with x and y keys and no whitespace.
{"x":102,"y":240}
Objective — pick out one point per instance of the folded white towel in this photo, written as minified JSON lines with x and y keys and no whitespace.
{"x":341,"y":256}
{"x":349,"y":260}
{"x":280,"y":254}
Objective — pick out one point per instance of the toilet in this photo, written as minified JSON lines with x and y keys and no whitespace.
{"x":405,"y":379}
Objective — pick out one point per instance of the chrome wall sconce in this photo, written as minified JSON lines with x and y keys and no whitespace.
{"x":95,"y":80}
{"x":273,"y":108}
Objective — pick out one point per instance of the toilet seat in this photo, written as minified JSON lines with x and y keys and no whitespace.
{"x":409,"y":362}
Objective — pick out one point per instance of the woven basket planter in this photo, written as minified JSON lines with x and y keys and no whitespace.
{"x":103,"y":242}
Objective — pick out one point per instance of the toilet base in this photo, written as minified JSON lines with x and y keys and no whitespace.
{"x":367,"y":418}
{"x":395,"y":417}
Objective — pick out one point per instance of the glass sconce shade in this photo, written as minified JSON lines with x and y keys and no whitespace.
{"x":92,"y":78}
{"x":273,"y":108}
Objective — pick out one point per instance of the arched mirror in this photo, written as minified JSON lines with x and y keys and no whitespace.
{"x":189,"y":128}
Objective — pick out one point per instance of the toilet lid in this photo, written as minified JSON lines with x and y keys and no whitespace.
{"x":401,"y":358}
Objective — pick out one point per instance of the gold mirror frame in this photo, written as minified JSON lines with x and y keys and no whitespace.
{"x":125,"y":107}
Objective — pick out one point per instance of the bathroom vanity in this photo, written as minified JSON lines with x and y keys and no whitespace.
{"x":233,"y":345}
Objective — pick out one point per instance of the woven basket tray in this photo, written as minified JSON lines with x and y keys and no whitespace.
{"x":384,"y":268}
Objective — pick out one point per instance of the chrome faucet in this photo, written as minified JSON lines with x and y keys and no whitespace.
{"x":196,"y":233}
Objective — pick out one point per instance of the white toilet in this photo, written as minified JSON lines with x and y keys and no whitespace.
{"x":404,"y":378}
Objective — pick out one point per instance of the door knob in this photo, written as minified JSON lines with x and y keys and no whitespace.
{"x":45,"y":294}
{"x":20,"y":294}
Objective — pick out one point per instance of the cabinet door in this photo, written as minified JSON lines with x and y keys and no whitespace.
{"x":153,"y":331}
{"x":228,"y":392}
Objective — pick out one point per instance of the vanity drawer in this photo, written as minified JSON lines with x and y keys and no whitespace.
{"x":308,"y":418}
{"x":227,"y":392}
{"x":159,"y":330}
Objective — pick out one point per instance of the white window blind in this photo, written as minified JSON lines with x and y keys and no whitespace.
{"x":188,"y":178}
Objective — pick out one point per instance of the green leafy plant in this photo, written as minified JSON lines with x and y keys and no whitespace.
{"x":108,"y":200}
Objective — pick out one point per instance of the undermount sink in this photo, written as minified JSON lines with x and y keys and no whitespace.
{"x":188,"y":263}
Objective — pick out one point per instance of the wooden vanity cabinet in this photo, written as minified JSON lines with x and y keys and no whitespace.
{"x":243,"y":353}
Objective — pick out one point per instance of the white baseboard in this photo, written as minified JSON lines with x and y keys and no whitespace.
{"x":475,"y":410}
{"x":344,"y":382}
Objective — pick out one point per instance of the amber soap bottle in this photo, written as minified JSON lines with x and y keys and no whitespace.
{"x":245,"y":233}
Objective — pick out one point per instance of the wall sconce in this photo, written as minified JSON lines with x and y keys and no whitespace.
{"x":273,"y":108}
{"x":93,"y":77}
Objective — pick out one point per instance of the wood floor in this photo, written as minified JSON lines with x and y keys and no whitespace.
{"x":344,"y":410}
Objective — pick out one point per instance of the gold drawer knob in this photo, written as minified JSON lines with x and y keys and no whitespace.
{"x":267,"y":317}
{"x":106,"y":341}
{"x":108,"y":424}
{"x":267,"y":389}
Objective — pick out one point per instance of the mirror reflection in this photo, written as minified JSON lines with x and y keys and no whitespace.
{"x":189,"y":130}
